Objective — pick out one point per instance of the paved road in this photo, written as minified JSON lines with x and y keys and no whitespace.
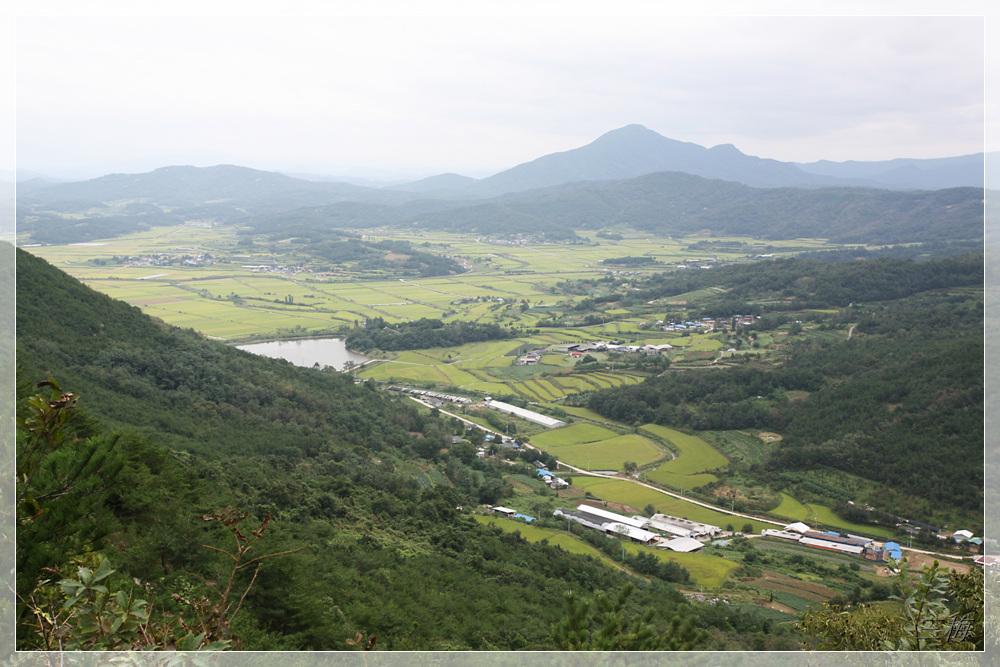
{"x":668,"y":493}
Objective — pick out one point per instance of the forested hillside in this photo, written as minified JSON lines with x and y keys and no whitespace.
{"x":356,"y":493}
{"x":899,"y":402}
{"x":673,"y":203}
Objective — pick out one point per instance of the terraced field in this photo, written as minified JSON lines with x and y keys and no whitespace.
{"x":694,"y":456}
{"x":791,"y":508}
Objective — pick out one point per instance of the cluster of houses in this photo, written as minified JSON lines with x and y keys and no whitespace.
{"x":966,"y":537}
{"x":960,"y":536}
{"x":530,"y":359}
{"x":660,"y":530}
{"x":831,"y":541}
{"x":166,"y":259}
{"x":519,"y":241}
{"x":708,"y":324}
{"x":275,"y":268}
{"x":433,"y":395}
{"x":578,"y":350}
{"x":504,"y":441}
{"x":550,"y":478}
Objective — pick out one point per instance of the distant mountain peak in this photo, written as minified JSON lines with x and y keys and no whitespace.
{"x":724,"y":149}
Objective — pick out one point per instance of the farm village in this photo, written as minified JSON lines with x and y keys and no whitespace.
{"x":628,"y":488}
{"x":662,"y":530}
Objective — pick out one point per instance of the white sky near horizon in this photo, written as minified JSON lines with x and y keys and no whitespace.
{"x":391,"y":95}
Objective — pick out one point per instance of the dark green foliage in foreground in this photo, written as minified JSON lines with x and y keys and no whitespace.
{"x":602,"y":625}
{"x":421,"y":334}
{"x":360,"y":487}
{"x":940,"y":612}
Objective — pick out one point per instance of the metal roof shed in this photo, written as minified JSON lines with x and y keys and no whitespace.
{"x":683,"y":544}
{"x":631,"y":532}
{"x":612,"y":516}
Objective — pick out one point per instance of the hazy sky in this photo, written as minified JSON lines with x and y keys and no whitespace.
{"x":415,"y":95}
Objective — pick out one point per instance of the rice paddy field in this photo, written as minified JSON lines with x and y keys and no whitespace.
{"x":610,"y":454}
{"x":229,"y":300}
{"x":694,"y":457}
{"x":791,"y":508}
{"x":574,"y":434}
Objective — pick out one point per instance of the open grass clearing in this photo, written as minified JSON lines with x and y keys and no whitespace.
{"x":739,"y":445}
{"x":582,"y":413}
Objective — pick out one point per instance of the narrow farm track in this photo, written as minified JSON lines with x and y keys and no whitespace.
{"x":714,"y":508}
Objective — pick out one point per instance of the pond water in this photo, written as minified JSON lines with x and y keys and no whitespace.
{"x":308,"y":352}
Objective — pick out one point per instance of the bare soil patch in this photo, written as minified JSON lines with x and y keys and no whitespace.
{"x":777,"y":581}
{"x":917,"y":561}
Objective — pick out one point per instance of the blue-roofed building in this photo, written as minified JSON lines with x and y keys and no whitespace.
{"x":544,"y":473}
{"x":527,"y":518}
{"x":893,"y":550}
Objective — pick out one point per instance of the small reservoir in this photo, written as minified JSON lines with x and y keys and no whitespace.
{"x":308,"y":352}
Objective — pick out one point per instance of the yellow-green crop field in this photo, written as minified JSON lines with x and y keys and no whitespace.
{"x":694,"y":456}
{"x":791,"y":508}
{"x":533,"y":534}
{"x":573,"y":434}
{"x":707,"y":571}
{"x":608,"y":454}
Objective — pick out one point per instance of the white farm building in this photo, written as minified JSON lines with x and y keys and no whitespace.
{"x":534,"y":417}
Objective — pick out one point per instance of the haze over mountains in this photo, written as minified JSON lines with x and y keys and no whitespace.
{"x":630,"y":176}
{"x":634,"y":150}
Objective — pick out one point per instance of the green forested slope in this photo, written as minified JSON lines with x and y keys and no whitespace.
{"x":899,"y":403}
{"x":360,"y":488}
